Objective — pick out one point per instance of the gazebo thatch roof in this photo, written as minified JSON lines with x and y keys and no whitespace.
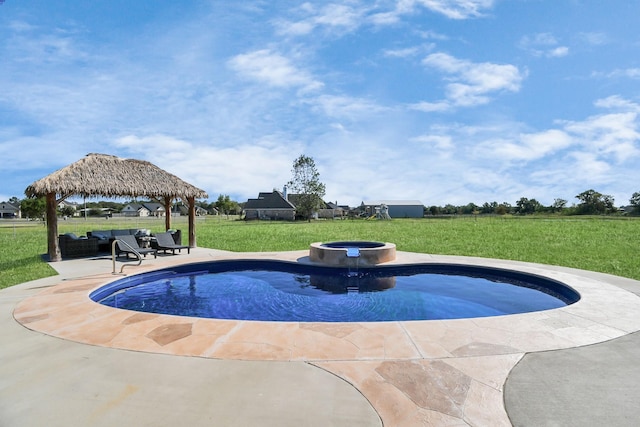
{"x":108,"y":176}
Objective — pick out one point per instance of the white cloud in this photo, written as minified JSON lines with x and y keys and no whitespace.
{"x":609,"y":135}
{"x":630,"y":73}
{"x":613,"y":135}
{"x":22,"y":154}
{"x":21,"y":26}
{"x":452,"y":9}
{"x":541,"y":39}
{"x":568,"y":175}
{"x":385,"y":18}
{"x":167,"y":145}
{"x":455,"y":9}
{"x":433,"y":35}
{"x":543,"y":45}
{"x":589,"y":165}
{"x":558,"y":52}
{"x":333,"y":16}
{"x":348,"y":16}
{"x":241,"y":171}
{"x":441,"y":144}
{"x":472,"y":83}
{"x":617,"y":102}
{"x":338,"y":15}
{"x":430,"y":107}
{"x":273,"y":69}
{"x":402,"y":53}
{"x":346,"y":107}
{"x":503,"y":162}
{"x":526,"y":147}
{"x":594,"y":38}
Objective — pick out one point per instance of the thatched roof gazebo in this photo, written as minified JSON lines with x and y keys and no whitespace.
{"x":109,"y":176}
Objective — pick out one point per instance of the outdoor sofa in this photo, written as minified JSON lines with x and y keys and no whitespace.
{"x":72,"y":246}
{"x":105,"y":237}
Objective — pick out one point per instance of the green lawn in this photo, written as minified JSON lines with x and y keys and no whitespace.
{"x":608,"y":245}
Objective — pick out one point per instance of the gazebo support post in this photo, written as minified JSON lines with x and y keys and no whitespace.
{"x":167,"y":212}
{"x":52,"y":229}
{"x":191,"y":201}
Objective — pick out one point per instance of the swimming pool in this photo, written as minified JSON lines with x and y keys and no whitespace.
{"x":293,"y":292}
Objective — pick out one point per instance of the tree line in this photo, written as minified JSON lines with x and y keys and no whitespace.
{"x":306,"y":181}
{"x":591,"y":202}
{"x":36,"y":207}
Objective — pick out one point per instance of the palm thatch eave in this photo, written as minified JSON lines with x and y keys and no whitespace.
{"x":109,"y":176}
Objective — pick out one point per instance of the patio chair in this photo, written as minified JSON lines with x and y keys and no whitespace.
{"x":165,"y":242}
{"x":127,"y":244}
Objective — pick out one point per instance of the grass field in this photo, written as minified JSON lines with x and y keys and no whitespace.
{"x":605,"y":244}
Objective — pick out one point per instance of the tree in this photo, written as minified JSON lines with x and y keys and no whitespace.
{"x":468,"y":209}
{"x":449,"y":209}
{"x":34,"y":208}
{"x":558,"y":205}
{"x":66,"y":211}
{"x":503,"y":208}
{"x":528,"y":206}
{"x":489,"y":208}
{"x":635,"y":202}
{"x":608,"y":201}
{"x":594,"y":203}
{"x":225,"y":205}
{"x":305,"y":182}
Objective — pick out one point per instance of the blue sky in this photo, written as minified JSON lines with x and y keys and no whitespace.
{"x":443,"y":101}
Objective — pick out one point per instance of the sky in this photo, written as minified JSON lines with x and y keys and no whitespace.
{"x":442,"y":101}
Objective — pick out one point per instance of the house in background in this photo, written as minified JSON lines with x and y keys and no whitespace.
{"x":9,"y":210}
{"x":182,"y":210}
{"x":143,"y":209}
{"x":630,"y":210}
{"x":274,"y":206}
{"x":280,"y":205}
{"x":103,"y":212}
{"x":333,"y":210}
{"x":66,"y":204}
{"x":327,"y":211}
{"x":396,"y":208}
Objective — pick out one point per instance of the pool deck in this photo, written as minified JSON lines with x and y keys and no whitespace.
{"x":67,"y":361}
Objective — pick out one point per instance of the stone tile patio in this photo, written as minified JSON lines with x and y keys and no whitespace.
{"x":414,"y":373}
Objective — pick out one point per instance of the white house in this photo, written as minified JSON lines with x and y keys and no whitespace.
{"x":9,"y":210}
{"x":143,"y":209}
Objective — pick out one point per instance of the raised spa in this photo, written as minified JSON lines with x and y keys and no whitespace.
{"x":355,"y":253}
{"x":294,"y":292}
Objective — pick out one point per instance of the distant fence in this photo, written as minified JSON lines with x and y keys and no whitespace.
{"x":81,"y":225}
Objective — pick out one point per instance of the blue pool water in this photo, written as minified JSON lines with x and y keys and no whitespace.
{"x":280,"y":291}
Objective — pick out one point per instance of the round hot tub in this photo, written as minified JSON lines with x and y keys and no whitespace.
{"x":355,"y":253}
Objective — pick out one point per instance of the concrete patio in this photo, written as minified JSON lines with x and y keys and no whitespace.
{"x":69,"y":361}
